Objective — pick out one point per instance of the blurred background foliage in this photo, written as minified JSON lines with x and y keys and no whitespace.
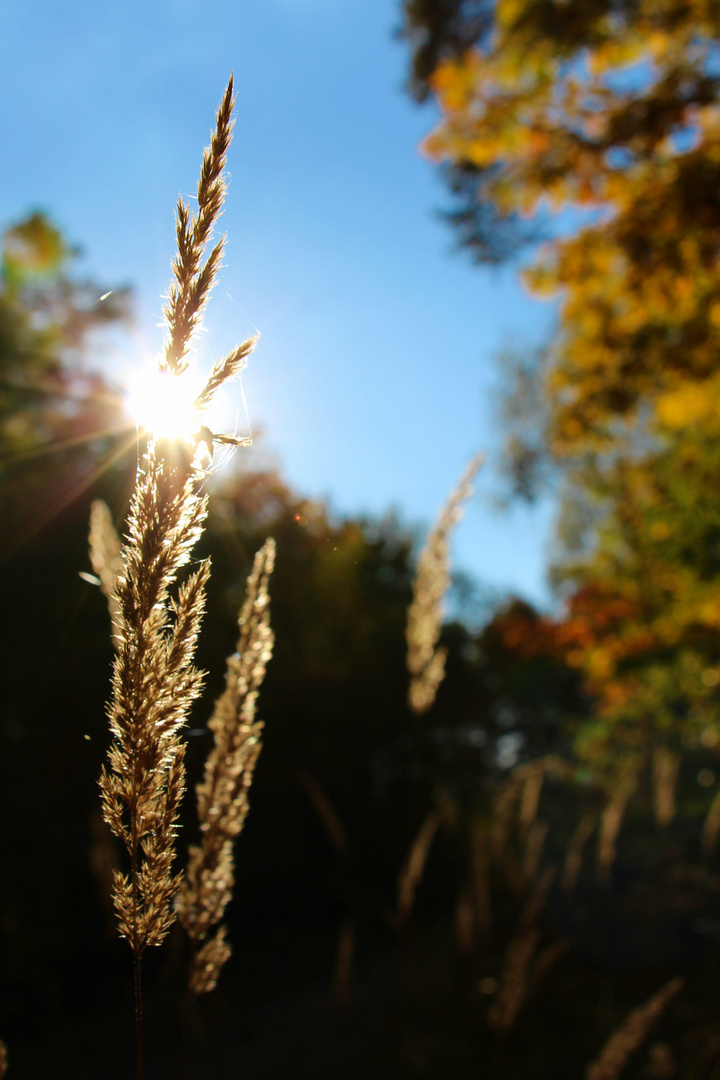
{"x":560,"y":799}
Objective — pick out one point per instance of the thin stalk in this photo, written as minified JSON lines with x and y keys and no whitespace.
{"x":138,"y":1014}
{"x":189,"y":1014}
{"x":137,"y":959}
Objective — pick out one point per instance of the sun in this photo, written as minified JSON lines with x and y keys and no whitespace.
{"x":163,"y":404}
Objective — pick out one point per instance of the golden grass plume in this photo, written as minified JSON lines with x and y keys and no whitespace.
{"x":154,"y":683}
{"x":631,"y":1034}
{"x":156,"y":616}
{"x":154,"y":679}
{"x":106,"y":558}
{"x":515,"y":979}
{"x":666,"y":766}
{"x":193,"y":280}
{"x":413,"y":868}
{"x":425,"y":661}
{"x":222,"y":795}
{"x":573,"y":857}
{"x":611,"y":820}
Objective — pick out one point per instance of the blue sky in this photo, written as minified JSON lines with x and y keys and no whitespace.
{"x":374,"y":379}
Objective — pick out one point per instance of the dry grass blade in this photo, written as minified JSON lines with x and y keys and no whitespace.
{"x":223,"y":793}
{"x":412,"y":871}
{"x":611,"y":820}
{"x":631,"y":1034}
{"x":325,"y":810}
{"x":426,"y":663}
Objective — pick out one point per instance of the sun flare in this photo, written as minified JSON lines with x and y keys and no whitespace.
{"x":164,"y":404}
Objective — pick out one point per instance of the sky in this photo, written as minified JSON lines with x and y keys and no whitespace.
{"x":374,"y":380}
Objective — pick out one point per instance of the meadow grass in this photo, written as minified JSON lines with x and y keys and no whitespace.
{"x":156,"y":619}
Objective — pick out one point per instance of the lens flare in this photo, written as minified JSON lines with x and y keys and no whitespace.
{"x":164,"y":404}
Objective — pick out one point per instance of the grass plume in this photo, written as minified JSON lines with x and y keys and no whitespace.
{"x":154,"y":684}
{"x":222,"y":795}
{"x":157,"y":618}
{"x":666,"y":766}
{"x":411,"y":874}
{"x":574,"y":855}
{"x":631,"y":1034}
{"x":106,"y":558}
{"x":533,"y":776}
{"x":516,"y":975}
{"x":425,"y":661}
{"x":611,"y":820}
{"x":193,"y":279}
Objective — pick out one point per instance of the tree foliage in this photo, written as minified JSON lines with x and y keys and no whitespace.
{"x":55,"y":400}
{"x":47,"y":320}
{"x":608,"y":114}
{"x":609,"y":111}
